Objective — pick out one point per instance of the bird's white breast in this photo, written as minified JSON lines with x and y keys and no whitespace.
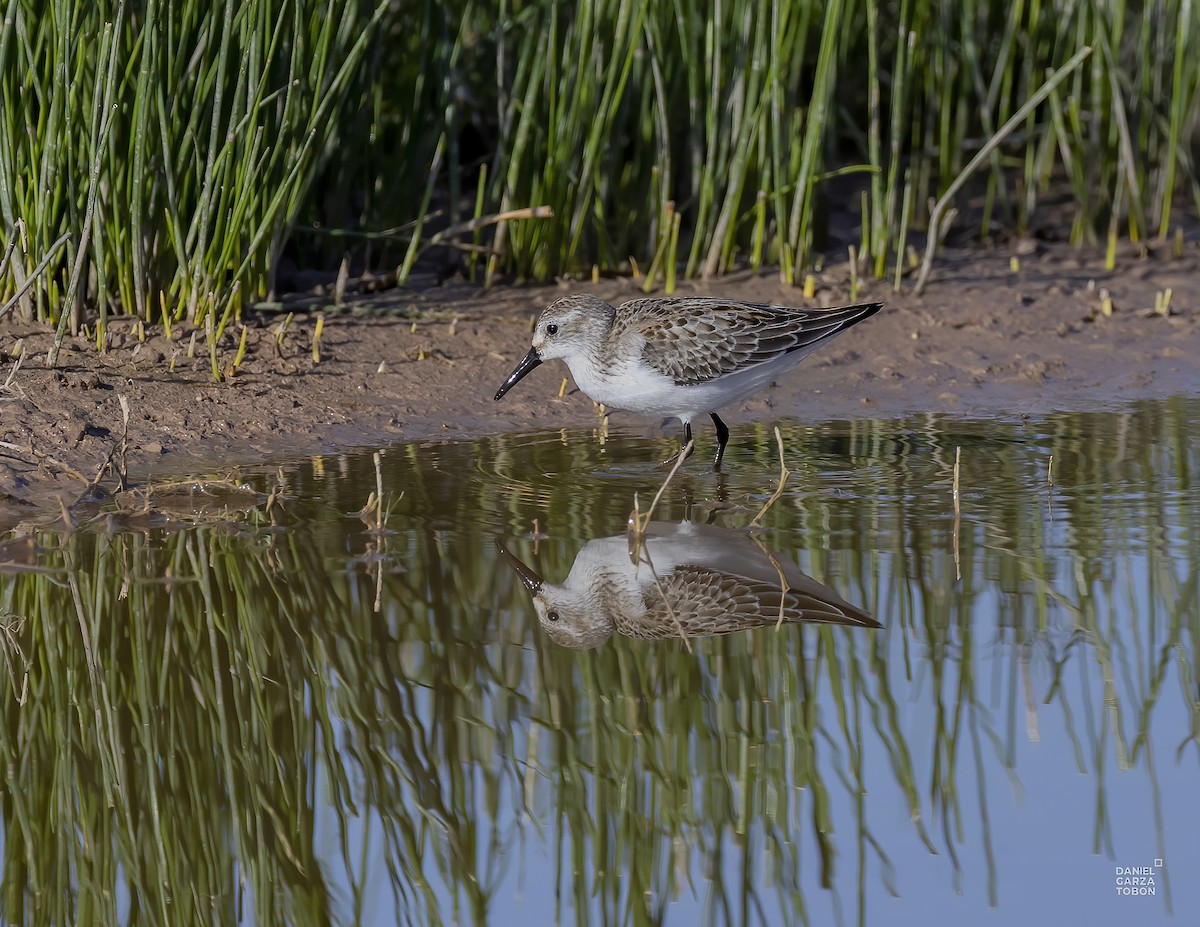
{"x":629,"y":383}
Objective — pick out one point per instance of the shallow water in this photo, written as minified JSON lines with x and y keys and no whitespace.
{"x":259,"y":706}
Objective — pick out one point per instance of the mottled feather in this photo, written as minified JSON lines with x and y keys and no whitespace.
{"x":705,"y":602}
{"x":688,"y":580}
{"x":697,"y":339}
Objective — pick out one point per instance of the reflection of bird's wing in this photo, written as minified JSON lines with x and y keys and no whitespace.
{"x":670,"y":545}
{"x":702,"y":602}
{"x":716,"y":548}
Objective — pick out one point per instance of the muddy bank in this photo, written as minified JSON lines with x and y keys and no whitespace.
{"x":984,"y":340}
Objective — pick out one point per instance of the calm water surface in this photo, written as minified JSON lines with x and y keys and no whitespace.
{"x":260,"y":707}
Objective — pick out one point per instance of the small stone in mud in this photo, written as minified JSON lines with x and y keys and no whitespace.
{"x":84,"y":381}
{"x":1035,"y":371}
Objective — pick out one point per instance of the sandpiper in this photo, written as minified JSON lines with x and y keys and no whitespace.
{"x":688,"y":580}
{"x":678,"y":357}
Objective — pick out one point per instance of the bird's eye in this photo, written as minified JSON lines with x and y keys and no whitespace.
{"x":552,"y":329}
{"x":552,"y":616}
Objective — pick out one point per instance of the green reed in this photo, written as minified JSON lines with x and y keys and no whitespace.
{"x":744,"y":115}
{"x":163,"y":158}
{"x":172,"y":145}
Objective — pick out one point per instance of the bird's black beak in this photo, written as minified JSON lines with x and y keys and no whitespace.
{"x":532,"y":581}
{"x":531,"y":360}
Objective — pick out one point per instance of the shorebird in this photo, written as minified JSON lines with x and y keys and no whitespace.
{"x":685,"y":580}
{"x":678,"y":357}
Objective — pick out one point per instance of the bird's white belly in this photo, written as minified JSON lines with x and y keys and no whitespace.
{"x":637,"y":387}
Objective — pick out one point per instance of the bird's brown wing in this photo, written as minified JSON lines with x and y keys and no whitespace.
{"x":695,"y":339}
{"x":702,"y":602}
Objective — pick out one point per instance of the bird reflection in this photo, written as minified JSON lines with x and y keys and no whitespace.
{"x":684,"y":580}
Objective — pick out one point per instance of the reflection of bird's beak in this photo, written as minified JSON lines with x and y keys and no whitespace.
{"x":532,"y":581}
{"x":531,"y":360}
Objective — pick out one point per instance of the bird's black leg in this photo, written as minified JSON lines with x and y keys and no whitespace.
{"x":687,"y":438}
{"x":722,"y":438}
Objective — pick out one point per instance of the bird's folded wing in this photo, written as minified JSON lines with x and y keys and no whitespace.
{"x":693,"y":340}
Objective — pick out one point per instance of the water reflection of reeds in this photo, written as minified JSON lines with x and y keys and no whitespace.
{"x":213,"y":722}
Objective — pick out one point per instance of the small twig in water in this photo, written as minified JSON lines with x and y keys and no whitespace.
{"x":784,"y":473}
{"x":641,"y":554}
{"x":639,"y":522}
{"x":68,"y":521}
{"x":18,"y":664}
{"x":957,"y":515}
{"x":123,"y":471}
{"x":378,"y":458}
{"x":784,"y":588}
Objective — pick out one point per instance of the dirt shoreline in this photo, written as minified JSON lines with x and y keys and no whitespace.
{"x":404,"y":364}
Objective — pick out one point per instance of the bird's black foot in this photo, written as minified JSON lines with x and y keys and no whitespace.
{"x":722,"y":438}
{"x":687,"y":440}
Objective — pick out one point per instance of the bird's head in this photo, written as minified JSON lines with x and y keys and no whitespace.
{"x":569,"y":327}
{"x":570,"y":618}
